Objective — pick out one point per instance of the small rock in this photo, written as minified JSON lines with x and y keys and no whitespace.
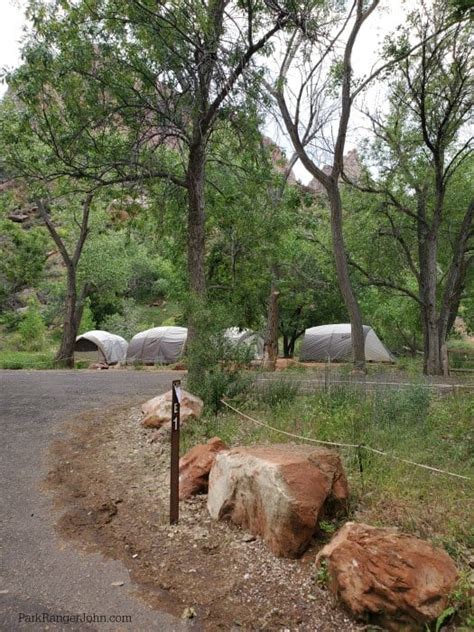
{"x":188,"y":613}
{"x":248,"y":537}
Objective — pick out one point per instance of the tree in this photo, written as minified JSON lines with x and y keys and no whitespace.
{"x":426,"y":207}
{"x":156,"y":78}
{"x":306,"y":116}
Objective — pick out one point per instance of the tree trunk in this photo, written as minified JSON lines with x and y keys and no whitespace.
{"x":196,"y":259}
{"x":342,"y":270}
{"x":433,"y":364}
{"x":65,"y":354}
{"x":270,"y":345}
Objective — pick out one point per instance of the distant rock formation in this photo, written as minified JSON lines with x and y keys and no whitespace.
{"x":279,"y":160}
{"x":352,"y":168}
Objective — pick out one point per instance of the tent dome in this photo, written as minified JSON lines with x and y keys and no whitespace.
{"x":110,"y":347}
{"x":162,"y":345}
{"x":246,"y":336}
{"x":334,"y":342}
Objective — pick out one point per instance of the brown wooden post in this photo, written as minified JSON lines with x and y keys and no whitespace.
{"x":174,"y":470}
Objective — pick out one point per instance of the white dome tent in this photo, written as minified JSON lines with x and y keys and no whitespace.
{"x":159,"y":345}
{"x":247,"y":337}
{"x":101,"y":346}
{"x":334,"y":342}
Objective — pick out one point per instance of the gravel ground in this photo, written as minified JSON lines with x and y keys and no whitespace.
{"x":110,"y":479}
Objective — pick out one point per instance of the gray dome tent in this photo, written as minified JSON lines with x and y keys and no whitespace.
{"x":334,"y":342}
{"x":100,"y":346}
{"x":162,"y":345}
{"x":246,"y":336}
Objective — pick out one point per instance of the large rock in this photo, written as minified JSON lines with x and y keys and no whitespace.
{"x":157,"y":411}
{"x":195,"y":465}
{"x":399,"y":580}
{"x":279,"y":492}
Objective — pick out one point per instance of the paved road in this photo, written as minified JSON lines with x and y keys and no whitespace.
{"x":39,"y":573}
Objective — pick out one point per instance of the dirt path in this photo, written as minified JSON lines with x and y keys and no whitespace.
{"x":110,"y":480}
{"x":39,"y":573}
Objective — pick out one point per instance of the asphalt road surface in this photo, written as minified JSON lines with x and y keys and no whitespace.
{"x":41,"y":576}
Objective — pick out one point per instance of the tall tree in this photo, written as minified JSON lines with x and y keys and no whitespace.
{"x":306,"y":115}
{"x":160,"y":76}
{"x":426,"y":198}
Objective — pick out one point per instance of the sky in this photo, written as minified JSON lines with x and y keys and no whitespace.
{"x":388,"y":15}
{"x":11,"y":24}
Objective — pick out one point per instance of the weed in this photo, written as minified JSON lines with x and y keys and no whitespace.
{"x":321,"y":576}
{"x":277,"y":392}
{"x":327,"y":527}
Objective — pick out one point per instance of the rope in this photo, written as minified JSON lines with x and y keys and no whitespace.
{"x":358,"y":446}
{"x":289,"y":434}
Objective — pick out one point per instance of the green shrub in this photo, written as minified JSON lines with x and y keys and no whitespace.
{"x":87,"y":320}
{"x":215,"y":364}
{"x":32,"y":329}
{"x":125,"y":323}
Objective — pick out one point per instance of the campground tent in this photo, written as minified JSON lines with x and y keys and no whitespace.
{"x":159,"y":345}
{"x":247,"y":337}
{"x":334,"y":342}
{"x":100,"y":346}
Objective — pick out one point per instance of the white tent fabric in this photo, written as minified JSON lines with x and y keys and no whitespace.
{"x":334,"y":342}
{"x":162,"y":345}
{"x":113,"y":348}
{"x":246,"y":336}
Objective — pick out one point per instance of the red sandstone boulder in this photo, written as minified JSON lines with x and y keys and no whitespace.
{"x":399,"y":580}
{"x":157,"y":411}
{"x":278,"y":492}
{"x":195,"y":465}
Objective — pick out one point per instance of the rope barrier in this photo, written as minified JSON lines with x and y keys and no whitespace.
{"x":290,"y":434}
{"x":357,"y":446}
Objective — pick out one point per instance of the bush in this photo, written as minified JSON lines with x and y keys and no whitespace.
{"x":215,"y":363}
{"x":32,"y":329}
{"x":125,"y":323}
{"x":87,"y":320}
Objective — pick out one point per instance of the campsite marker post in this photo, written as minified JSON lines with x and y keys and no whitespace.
{"x":174,"y":470}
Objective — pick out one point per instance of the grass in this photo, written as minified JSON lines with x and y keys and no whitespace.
{"x":410,"y":423}
{"x":26,"y":360}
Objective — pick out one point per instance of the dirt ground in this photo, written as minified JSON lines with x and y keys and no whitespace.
{"x":110,"y":484}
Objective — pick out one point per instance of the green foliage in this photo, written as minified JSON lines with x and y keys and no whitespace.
{"x":87,"y":320}
{"x":127,"y":322}
{"x":217,"y":362}
{"x":278,"y":392}
{"x":26,"y":360}
{"x":402,"y":407}
{"x":22,"y":260}
{"x":392,"y":493}
{"x":32,"y":328}
{"x":322,"y":574}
